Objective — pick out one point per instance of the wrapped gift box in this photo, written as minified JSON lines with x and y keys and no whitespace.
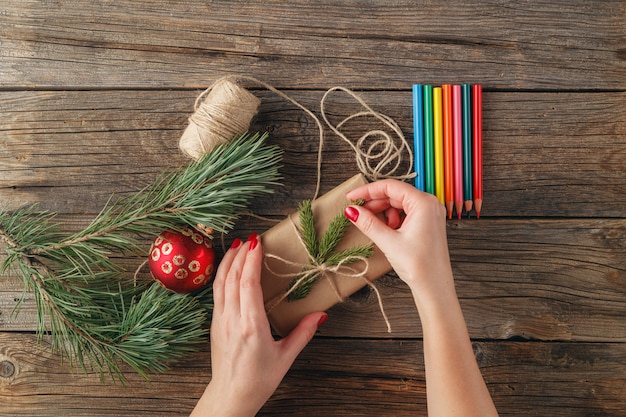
{"x":282,"y":241}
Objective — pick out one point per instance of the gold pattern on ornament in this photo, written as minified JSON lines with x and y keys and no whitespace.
{"x":199,"y":279}
{"x":178,"y":260}
{"x":166,"y":267}
{"x":181,"y":274}
{"x":167,"y":248}
{"x":197,"y":238}
{"x":194,"y":266}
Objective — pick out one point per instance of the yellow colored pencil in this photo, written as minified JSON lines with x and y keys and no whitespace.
{"x":438,"y":139}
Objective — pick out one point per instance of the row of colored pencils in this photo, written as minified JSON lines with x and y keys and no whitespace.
{"x":447,"y":123}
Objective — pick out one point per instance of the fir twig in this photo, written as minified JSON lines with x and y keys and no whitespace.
{"x":94,"y":316}
{"x":322,"y":251}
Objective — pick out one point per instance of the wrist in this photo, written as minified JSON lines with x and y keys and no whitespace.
{"x":216,"y":402}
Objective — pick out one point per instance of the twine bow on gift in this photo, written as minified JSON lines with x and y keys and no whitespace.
{"x":315,"y":270}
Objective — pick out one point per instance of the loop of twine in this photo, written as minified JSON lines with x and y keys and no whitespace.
{"x":384,"y":149}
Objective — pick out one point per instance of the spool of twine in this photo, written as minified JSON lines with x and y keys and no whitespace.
{"x":221,"y":113}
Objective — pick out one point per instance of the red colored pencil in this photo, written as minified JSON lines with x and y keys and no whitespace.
{"x":448,"y":174}
{"x":457,"y":148}
{"x":477,"y":144}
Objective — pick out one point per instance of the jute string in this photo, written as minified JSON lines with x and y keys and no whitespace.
{"x":225,"y":111}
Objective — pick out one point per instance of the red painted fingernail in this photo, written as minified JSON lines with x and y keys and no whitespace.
{"x":236,"y":243}
{"x":254,"y":240}
{"x":322,"y":320}
{"x":351,"y":213}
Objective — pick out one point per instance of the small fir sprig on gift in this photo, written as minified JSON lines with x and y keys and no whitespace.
{"x":94,"y":314}
{"x":321,"y":251}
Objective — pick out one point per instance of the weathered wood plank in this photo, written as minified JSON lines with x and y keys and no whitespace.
{"x":528,"y":279}
{"x":371,"y":44}
{"x":546,"y":154}
{"x":556,"y":379}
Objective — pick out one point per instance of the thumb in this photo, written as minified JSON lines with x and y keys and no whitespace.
{"x":370,"y":224}
{"x":302,"y":334}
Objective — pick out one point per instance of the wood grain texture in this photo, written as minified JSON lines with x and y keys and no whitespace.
{"x":361,"y":44}
{"x":557,"y":379}
{"x":95,"y":95}
{"x":551,"y":280}
{"x":546,"y":154}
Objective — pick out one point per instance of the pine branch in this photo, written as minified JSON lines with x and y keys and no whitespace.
{"x":95,"y":316}
{"x":322,"y":251}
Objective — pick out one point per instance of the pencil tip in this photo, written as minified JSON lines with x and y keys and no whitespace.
{"x":478,"y":205}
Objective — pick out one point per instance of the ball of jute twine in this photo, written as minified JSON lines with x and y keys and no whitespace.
{"x":222,"y":112}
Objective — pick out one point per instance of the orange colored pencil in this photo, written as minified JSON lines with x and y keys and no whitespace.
{"x":448,"y":174}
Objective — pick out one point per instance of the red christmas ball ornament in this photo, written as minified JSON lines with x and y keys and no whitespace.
{"x":182,"y":261}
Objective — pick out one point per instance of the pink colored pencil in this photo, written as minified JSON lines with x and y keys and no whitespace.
{"x":457,"y":149}
{"x":477,"y":139}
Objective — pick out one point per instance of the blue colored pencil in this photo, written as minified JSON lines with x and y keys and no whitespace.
{"x":418,"y":135}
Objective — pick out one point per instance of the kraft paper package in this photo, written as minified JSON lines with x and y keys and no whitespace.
{"x":282,"y":241}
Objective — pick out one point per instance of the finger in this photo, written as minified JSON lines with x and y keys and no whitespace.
{"x":220,"y":277}
{"x":377,"y":206}
{"x":301,"y":335}
{"x":399,"y":194}
{"x":371,"y":226}
{"x":251,"y":296}
{"x":233,"y":280}
{"x":393,"y":218}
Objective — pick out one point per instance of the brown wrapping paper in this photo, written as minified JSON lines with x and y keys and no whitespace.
{"x":282,"y":240}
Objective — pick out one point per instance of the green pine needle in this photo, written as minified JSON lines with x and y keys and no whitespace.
{"x":95,"y":316}
{"x":307,"y":226}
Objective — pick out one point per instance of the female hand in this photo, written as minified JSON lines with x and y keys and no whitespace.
{"x":247,"y":363}
{"x":413,"y":236}
{"x":414,"y":240}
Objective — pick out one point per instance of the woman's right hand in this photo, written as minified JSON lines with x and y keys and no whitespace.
{"x":412,"y":237}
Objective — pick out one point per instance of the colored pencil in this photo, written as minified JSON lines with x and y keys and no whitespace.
{"x":448,"y":175}
{"x":418,"y":136}
{"x":438,"y":140}
{"x":468,"y":193}
{"x":429,"y":145}
{"x":477,"y":142}
{"x":457,"y":148}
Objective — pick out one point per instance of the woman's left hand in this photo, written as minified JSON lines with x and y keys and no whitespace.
{"x":247,"y":363}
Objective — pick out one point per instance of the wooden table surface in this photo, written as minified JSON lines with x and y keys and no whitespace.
{"x":95,"y":95}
